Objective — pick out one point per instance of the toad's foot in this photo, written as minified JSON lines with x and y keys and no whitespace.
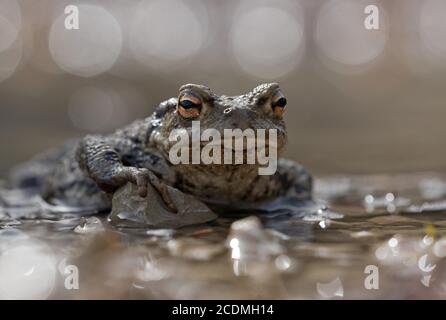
{"x":142,"y":177}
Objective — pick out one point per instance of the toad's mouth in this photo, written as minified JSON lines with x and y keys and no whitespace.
{"x":235,"y":146}
{"x":237,"y":140}
{"x":232,"y":146}
{"x":245,"y":143}
{"x":262,"y":155}
{"x":261,"y":149}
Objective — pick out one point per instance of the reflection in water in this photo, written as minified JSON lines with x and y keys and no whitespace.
{"x":330,"y":290}
{"x":313,"y":250}
{"x":27,"y":267}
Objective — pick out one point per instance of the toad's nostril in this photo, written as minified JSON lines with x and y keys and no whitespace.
{"x":227,"y":110}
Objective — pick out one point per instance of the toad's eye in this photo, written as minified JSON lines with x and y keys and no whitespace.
{"x":278,"y":104}
{"x":189,"y":106}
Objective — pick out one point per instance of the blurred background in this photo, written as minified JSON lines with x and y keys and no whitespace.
{"x":360,"y":101}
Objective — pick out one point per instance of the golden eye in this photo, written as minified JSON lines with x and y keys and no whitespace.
{"x":189,"y":106}
{"x":278,"y":104}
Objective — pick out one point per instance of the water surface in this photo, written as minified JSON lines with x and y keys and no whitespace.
{"x":367,"y":237}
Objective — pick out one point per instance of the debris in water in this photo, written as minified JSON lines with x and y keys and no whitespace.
{"x":322,"y":213}
{"x":89,"y":225}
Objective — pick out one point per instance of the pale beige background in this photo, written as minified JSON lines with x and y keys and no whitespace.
{"x":389,"y":117}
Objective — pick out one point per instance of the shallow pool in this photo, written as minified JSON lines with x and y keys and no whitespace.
{"x":367,"y":237}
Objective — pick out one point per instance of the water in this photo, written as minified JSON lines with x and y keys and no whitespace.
{"x":367,"y":237}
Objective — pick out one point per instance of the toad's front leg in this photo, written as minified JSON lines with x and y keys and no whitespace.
{"x":102,"y":162}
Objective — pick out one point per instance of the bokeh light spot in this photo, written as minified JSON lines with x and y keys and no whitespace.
{"x":343,"y":42}
{"x":10,"y":59}
{"x":164,"y":33}
{"x":10,"y":10}
{"x":90,"y":50}
{"x":267,"y":42}
{"x":433,"y":26}
{"x":8,"y":34}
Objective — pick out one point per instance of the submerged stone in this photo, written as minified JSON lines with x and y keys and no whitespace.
{"x":131,"y":210}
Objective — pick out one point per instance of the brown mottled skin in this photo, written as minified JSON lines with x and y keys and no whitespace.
{"x":87,"y":172}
